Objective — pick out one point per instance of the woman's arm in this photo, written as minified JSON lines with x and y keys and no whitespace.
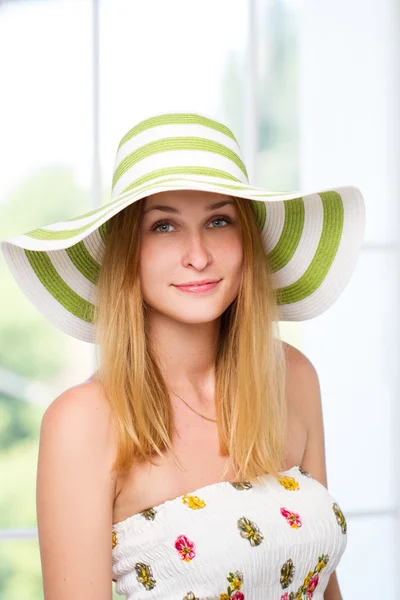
{"x":332,"y":591}
{"x":75,"y":496}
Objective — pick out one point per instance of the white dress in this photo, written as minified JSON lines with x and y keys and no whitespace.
{"x":277,"y":540}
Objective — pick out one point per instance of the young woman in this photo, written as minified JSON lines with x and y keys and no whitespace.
{"x":191,"y":465}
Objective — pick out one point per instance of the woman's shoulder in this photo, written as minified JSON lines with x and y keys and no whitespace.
{"x":74,"y":482}
{"x":295,"y":356}
{"x":84,"y":396}
{"x":82,"y":407}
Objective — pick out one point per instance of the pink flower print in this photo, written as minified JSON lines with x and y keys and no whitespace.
{"x":185,"y":547}
{"x":285,"y":596}
{"x":237,"y":595}
{"x":292,"y":518}
{"x":312,"y":584}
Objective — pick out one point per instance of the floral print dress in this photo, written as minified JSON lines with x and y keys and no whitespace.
{"x":276,"y":539}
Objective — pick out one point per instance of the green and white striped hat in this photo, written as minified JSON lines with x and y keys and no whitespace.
{"x":312,"y":240}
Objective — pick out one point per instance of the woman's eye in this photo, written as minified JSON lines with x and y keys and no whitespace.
{"x":162,"y":223}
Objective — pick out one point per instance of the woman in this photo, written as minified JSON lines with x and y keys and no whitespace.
{"x":191,"y":464}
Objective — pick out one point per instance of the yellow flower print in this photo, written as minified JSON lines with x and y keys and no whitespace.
{"x":306,"y":590}
{"x":307,"y":579}
{"x":144,"y":575}
{"x":235,"y":583}
{"x":242,"y":485}
{"x":235,"y":579}
{"x":289,"y":483}
{"x":249,"y":530}
{"x":193,"y":502}
{"x":340,"y":518}
{"x":114,"y":539}
{"x":321,"y":565}
{"x":287,"y":573}
{"x":149,"y":514}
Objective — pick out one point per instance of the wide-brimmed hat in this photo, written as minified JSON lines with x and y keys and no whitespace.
{"x":312,"y":239}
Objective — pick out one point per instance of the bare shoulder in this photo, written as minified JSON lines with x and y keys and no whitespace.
{"x":82,"y":408}
{"x":79,"y":400}
{"x":301,"y":373}
{"x":82,"y":411}
{"x":302,"y":381}
{"x":305,"y":390}
{"x":297,"y":358}
{"x":75,"y":494}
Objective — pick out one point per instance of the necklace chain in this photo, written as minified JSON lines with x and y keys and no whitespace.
{"x":195,"y":411}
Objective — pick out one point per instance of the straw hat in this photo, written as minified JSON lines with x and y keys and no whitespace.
{"x":312,"y":239}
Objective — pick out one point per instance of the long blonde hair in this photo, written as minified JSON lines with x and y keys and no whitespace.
{"x":250,"y":368}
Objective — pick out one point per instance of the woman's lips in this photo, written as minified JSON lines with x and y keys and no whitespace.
{"x":197,"y":289}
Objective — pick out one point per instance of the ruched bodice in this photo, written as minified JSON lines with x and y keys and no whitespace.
{"x":274,"y":539}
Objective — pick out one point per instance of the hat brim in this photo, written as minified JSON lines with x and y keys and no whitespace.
{"x":312,"y":241}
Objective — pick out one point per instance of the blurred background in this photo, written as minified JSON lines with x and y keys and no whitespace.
{"x":311,"y":89}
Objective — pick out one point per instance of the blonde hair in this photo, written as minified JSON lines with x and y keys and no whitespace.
{"x":250,"y":368}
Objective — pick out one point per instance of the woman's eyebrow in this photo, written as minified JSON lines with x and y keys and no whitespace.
{"x":171,"y":209}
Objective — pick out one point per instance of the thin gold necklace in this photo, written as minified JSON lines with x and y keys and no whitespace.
{"x":197,"y":413}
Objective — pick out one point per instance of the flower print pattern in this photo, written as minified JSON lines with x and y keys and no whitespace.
{"x":193,"y":502}
{"x":310,"y":583}
{"x":250,"y":531}
{"x":186,"y":548}
{"x":149,"y":514}
{"x":287,"y":573}
{"x":144,"y":575}
{"x":234,"y":596}
{"x":340,"y":517}
{"x":114,"y":538}
{"x":233,"y":590}
{"x":308,"y":580}
{"x":242,"y":485}
{"x":322,"y":562}
{"x":289,"y":483}
{"x":292,"y":518}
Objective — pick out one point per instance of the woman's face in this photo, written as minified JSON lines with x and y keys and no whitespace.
{"x":194,"y":242}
